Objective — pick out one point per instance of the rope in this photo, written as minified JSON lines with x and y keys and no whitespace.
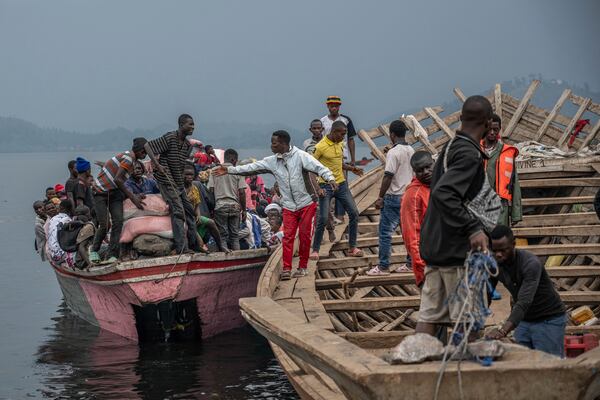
{"x":470,"y":292}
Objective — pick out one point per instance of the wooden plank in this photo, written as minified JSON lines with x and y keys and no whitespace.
{"x":498,"y":100}
{"x":521,"y":108}
{"x":459,"y":94}
{"x":562,"y":142}
{"x":547,"y":201}
{"x":590,"y":136}
{"x":593,"y":107}
{"x":561,"y":182}
{"x":374,"y":149}
{"x":367,"y":242}
{"x":373,"y":303}
{"x":376,"y":340}
{"x":437,"y":120}
{"x":573,"y":271}
{"x":420,"y":134}
{"x":572,"y":230}
{"x":573,"y":298}
{"x":563,"y":249}
{"x":555,"y":110}
{"x":587,"y":218}
{"x":355,"y":262}
{"x":366,"y":227}
{"x":400,"y":278}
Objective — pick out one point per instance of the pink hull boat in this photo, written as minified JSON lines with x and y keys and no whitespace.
{"x":164,"y":298}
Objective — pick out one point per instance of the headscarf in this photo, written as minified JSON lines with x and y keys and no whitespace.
{"x":82,"y":165}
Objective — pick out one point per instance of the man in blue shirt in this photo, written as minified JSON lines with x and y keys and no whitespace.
{"x":137,"y":183}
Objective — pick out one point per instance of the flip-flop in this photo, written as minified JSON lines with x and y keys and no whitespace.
{"x":356,"y":252}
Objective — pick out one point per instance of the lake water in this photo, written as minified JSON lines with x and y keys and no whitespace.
{"x":47,"y":352}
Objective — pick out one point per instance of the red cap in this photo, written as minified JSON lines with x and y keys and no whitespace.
{"x":59,"y":188}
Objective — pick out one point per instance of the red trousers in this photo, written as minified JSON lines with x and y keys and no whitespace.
{"x":301,"y":220}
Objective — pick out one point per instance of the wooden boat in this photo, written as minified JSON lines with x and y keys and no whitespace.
{"x":188,"y":296}
{"x":330,"y":330}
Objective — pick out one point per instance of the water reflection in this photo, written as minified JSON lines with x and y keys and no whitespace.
{"x":81,"y":361}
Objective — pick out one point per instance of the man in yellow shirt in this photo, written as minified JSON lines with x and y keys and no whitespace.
{"x":330,"y":152}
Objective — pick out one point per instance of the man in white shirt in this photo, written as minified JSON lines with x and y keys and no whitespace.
{"x":398,"y":174}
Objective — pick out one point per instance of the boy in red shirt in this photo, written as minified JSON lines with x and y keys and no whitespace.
{"x":413,"y":208}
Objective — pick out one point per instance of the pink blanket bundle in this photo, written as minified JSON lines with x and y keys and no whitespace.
{"x":154,"y":206}
{"x":156,"y":225}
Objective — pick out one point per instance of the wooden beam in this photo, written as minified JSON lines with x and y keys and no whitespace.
{"x":397,"y":278}
{"x":555,"y":110}
{"x":366,"y":227}
{"x":573,"y":271}
{"x":437,"y":120}
{"x":563,"y":249}
{"x":420,"y":134}
{"x":593,"y":107}
{"x":562,"y":142}
{"x":561,"y":182}
{"x":366,"y":242}
{"x":376,"y":340}
{"x":547,"y":201}
{"x":498,"y":100}
{"x":573,"y":298}
{"x":354,"y":262}
{"x":572,"y":230}
{"x":373,"y":303}
{"x":374,"y":149}
{"x":459,"y":94}
{"x":590,"y":136}
{"x":521,"y":108}
{"x":587,"y":218}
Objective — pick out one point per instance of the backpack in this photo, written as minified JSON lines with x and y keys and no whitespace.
{"x":486,"y":206}
{"x":67,"y":235}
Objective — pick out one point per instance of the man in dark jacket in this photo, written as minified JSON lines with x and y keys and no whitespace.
{"x":538,"y":314}
{"x":449,"y":231}
{"x":597,"y":203}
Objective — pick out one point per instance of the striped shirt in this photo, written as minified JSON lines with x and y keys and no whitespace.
{"x":173,"y":155}
{"x":105,"y":180}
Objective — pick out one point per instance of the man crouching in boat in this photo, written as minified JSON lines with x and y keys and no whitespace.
{"x":288,"y":165}
{"x":538,"y":314}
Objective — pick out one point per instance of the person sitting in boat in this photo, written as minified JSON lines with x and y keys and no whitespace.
{"x":207,"y":159}
{"x":59,"y":189}
{"x":40,"y":234}
{"x":396,"y":178}
{"x":84,"y":237}
{"x":174,"y":150}
{"x":413,"y":209}
{"x":230,"y":201}
{"x":276,"y":234}
{"x":273,"y":209}
{"x":257,"y":190}
{"x":204,"y":225}
{"x":139,"y":184}
{"x":287,"y":166}
{"x":255,"y":232}
{"x":501,"y":169}
{"x":449,"y":231}
{"x":51,"y":196}
{"x":329,"y":152}
{"x":538,"y":315}
{"x":53,"y":250}
{"x":109,"y":192}
{"x":207,"y":204}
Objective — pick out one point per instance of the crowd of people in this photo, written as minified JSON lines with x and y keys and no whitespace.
{"x":225,"y":204}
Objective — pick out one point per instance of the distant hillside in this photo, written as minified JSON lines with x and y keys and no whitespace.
{"x":17,"y":135}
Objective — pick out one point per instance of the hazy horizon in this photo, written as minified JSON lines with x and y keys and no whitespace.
{"x":91,"y":66}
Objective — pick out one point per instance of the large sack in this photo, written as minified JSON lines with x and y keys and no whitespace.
{"x":134,"y":227}
{"x":152,"y":245}
{"x":154,"y":206}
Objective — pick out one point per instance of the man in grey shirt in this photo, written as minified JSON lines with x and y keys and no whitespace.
{"x":230,"y":201}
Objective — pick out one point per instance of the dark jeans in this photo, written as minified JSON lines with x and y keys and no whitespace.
{"x":345,"y":197}
{"x":547,"y":335}
{"x":109,"y":210}
{"x":182,"y":213}
{"x":227,"y":218}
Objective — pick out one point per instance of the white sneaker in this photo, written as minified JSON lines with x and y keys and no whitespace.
{"x":376,"y":271}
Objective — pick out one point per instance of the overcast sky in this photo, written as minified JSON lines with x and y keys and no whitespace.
{"x":91,"y":65}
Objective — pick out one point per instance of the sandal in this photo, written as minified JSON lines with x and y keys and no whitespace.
{"x":355,"y":252}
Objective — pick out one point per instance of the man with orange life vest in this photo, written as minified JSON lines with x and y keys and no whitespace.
{"x":502,"y":173}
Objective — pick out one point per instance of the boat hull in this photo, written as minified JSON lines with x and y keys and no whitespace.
{"x":106,"y":298}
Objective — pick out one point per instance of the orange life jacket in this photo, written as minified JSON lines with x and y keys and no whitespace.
{"x":505,"y":170}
